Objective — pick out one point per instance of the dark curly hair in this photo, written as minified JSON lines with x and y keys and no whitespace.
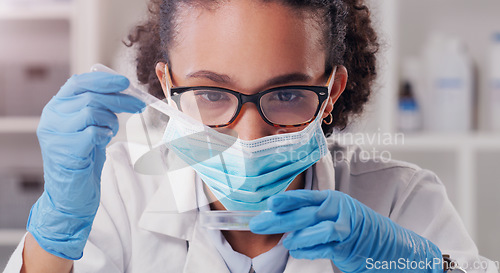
{"x":350,"y":41}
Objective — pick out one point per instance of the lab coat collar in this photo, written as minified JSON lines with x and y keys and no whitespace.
{"x":169,"y":214}
{"x":173,"y":212}
{"x":173,"y":209}
{"x":200,"y":246}
{"x":324,"y":174}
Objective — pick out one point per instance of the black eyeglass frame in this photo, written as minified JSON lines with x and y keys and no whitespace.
{"x":320,"y":91}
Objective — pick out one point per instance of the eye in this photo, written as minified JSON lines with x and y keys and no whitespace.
{"x":212,"y":96}
{"x":286,"y":96}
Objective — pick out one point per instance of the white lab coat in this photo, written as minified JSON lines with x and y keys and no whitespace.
{"x":138,"y":227}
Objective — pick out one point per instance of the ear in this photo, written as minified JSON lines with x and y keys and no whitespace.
{"x":340,"y":81}
{"x":160,"y":73}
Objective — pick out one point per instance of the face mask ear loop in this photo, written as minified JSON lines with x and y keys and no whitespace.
{"x":168,"y":85}
{"x":331,"y":81}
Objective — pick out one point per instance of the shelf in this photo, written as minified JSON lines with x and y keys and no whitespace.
{"x":18,"y":124}
{"x":42,"y":11}
{"x":11,"y":236}
{"x":423,"y":141}
{"x":451,"y":141}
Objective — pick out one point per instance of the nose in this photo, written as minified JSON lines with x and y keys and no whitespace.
{"x":249,"y":125}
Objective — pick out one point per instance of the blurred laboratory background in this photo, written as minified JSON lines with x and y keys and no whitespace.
{"x":439,"y":87}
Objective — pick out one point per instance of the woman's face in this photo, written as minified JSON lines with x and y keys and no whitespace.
{"x":249,"y":46}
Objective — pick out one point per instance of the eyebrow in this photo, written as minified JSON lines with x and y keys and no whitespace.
{"x":225,"y":79}
{"x":218,"y":78}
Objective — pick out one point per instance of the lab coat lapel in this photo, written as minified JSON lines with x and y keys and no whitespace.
{"x":324,"y":174}
{"x":170,"y":215}
{"x":202,"y":255}
{"x":173,"y":208}
{"x":173,"y":211}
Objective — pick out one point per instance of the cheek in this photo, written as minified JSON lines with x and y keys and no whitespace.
{"x":270,"y":130}
{"x":283,"y":130}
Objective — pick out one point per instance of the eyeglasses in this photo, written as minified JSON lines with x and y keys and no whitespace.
{"x":286,"y":106}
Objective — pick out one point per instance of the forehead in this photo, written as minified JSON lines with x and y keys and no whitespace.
{"x":247,"y":35}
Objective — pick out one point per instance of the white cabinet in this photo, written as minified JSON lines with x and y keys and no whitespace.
{"x":34,"y":62}
{"x":42,"y":45}
{"x":26,"y":11}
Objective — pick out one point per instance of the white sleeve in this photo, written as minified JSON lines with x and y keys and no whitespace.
{"x":94,"y":259}
{"x":105,"y":250}
{"x":424,"y":208}
{"x":16,"y":260}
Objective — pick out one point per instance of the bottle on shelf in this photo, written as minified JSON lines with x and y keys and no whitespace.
{"x":494,"y":83}
{"x":409,"y":120}
{"x":449,"y":85}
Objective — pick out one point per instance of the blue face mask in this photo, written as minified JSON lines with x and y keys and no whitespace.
{"x":244,"y":174}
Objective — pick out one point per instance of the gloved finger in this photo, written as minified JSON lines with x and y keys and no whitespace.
{"x":322,"y":233}
{"x":269,"y":222}
{"x":291,"y":200}
{"x":73,"y":149}
{"x":83,"y":190}
{"x":307,"y":215}
{"x":95,"y":136}
{"x":115,"y":102}
{"x":75,"y":188}
{"x":78,"y":121}
{"x":100,"y":82}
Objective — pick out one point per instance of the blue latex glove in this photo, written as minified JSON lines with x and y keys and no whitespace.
{"x":75,"y":127}
{"x":332,"y":225}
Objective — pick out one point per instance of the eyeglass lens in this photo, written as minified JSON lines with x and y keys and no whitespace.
{"x":289,"y":107}
{"x":283,"y":107}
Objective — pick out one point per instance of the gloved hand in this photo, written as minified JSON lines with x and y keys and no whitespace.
{"x":332,"y":225}
{"x":75,"y":127}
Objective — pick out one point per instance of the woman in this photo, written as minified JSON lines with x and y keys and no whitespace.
{"x":382,"y":215}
